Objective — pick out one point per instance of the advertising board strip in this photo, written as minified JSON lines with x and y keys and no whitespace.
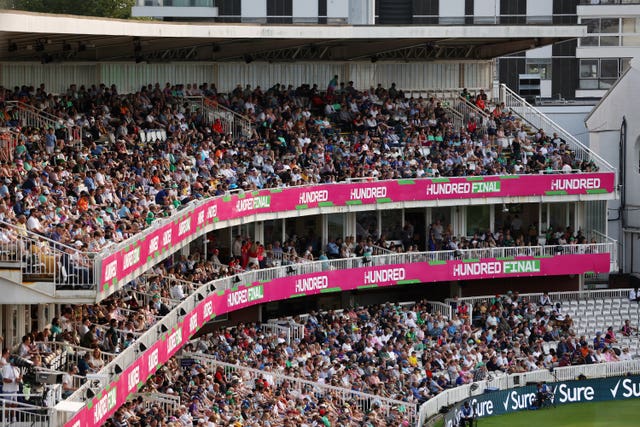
{"x":117,"y":266}
{"x":566,"y":392}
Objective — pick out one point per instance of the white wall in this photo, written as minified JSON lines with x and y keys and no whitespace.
{"x":362,"y":12}
{"x":485,"y":8}
{"x":253,"y":9}
{"x":540,"y":52}
{"x":604,"y":125}
{"x":129,"y":76}
{"x":539,"y":10}
{"x":305,"y":11}
{"x":337,"y":9}
{"x":451,"y":9}
{"x":571,"y":118}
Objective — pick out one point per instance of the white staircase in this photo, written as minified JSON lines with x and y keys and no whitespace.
{"x":30,"y":116}
{"x":232,"y":123}
{"x":538,"y":120}
{"x":36,"y":269}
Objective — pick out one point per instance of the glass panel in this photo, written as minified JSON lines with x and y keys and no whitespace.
{"x":588,"y":68}
{"x":572,"y":217}
{"x":415,"y":218}
{"x":630,"y":25}
{"x":589,"y":84}
{"x":543,"y":225}
{"x":391,"y":224}
{"x":221,"y":240}
{"x":477,"y":219}
{"x":630,"y":40}
{"x":624,"y":64}
{"x":540,"y":68}
{"x":607,"y":83}
{"x":366,"y":225}
{"x":610,"y":25}
{"x":609,"y":68}
{"x":303,"y":232}
{"x":609,"y":40}
{"x":589,"y":41}
{"x":593,"y":25}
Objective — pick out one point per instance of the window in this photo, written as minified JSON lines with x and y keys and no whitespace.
{"x":593,"y":25}
{"x":630,"y":25}
{"x":589,"y":68}
{"x":542,"y":67}
{"x":611,"y":31}
{"x":609,"y":68}
{"x":610,"y":25}
{"x":601,"y":73}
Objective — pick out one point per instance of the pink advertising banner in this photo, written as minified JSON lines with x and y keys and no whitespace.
{"x":141,"y":250}
{"x":99,"y":408}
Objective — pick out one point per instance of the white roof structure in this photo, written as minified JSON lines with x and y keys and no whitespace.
{"x":27,"y":36}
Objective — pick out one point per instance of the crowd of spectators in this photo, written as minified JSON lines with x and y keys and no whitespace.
{"x":116,"y":183}
{"x":403,"y":352}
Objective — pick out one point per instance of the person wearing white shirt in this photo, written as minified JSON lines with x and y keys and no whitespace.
{"x":545,"y":299}
{"x":177,"y":292}
{"x":11,"y":378}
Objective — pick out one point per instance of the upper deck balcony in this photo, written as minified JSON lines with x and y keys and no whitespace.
{"x":110,"y":270}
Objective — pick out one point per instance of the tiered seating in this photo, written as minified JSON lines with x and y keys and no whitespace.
{"x":593,"y":315}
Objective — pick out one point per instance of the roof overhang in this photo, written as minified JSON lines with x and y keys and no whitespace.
{"x":31,"y":36}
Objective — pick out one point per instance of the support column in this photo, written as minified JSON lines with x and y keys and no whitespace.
{"x":42,"y":316}
{"x":21,"y":316}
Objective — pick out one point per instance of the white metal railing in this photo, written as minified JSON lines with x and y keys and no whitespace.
{"x":539,"y":120}
{"x":23,"y":414}
{"x":502,"y":382}
{"x":469,"y":111}
{"x":276,"y":330}
{"x":294,"y":330}
{"x":231,"y":122}
{"x":556,"y":296}
{"x":603,"y":238}
{"x":168,"y":403}
{"x":363,"y":401}
{"x":31,"y":116}
{"x":42,"y":259}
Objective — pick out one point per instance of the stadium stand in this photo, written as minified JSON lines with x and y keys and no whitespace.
{"x":144,"y":156}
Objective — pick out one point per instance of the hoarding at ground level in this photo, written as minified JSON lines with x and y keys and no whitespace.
{"x":522,"y":398}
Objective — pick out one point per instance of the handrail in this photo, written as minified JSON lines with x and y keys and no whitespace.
{"x":37,"y":236}
{"x":234,"y":121}
{"x":364,"y":400}
{"x":44,"y":259}
{"x":538,"y":120}
{"x":556,"y":296}
{"x":41,"y":113}
{"x":33,"y":116}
